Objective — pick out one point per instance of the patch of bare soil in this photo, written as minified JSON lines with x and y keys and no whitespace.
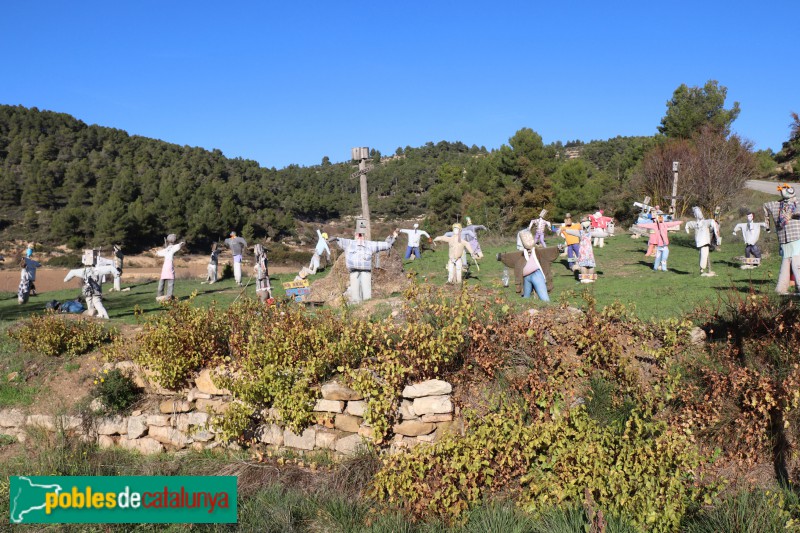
{"x":388,"y":276}
{"x":137,"y":269}
{"x":67,"y":381}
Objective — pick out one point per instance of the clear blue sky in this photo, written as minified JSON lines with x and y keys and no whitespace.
{"x":290,"y":82}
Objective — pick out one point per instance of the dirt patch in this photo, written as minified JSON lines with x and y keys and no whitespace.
{"x":66,"y":382}
{"x":142,"y":268}
{"x":388,"y":276}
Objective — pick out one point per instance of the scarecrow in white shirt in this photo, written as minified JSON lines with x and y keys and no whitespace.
{"x":751,"y":231}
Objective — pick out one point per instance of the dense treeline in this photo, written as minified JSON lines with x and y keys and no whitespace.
{"x":63,"y":181}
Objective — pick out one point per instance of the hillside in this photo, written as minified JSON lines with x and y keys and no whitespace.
{"x":65,"y":182}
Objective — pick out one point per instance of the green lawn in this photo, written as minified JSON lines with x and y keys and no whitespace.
{"x":624,"y":275}
{"x":122,"y":306}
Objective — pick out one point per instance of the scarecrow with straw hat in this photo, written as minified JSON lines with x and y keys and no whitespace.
{"x":457,"y":247}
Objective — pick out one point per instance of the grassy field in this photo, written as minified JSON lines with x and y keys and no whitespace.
{"x":624,"y":274}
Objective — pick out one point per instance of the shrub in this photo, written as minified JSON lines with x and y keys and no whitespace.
{"x":116,"y":390}
{"x":54,"y":335}
{"x":65,"y":261}
{"x":642,"y":472}
{"x":181,"y":341}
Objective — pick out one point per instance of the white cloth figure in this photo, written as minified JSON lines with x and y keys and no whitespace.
{"x":704,"y":230}
{"x":118,"y":260}
{"x":168,"y":269}
{"x":321,"y":248}
{"x":786,"y":215}
{"x":92,"y":287}
{"x":24,"y":289}
{"x":414,"y":237}
{"x":104,"y":261}
{"x":751,"y":231}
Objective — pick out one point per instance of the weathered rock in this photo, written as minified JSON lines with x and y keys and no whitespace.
{"x":443,"y":428}
{"x":411,"y":442}
{"x":407,"y":410}
{"x":443,"y":417}
{"x":302,"y":442}
{"x":431,"y":405}
{"x":146,"y":379}
{"x":157,"y":420}
{"x":70,"y":423}
{"x":167,"y":435}
{"x":42,"y":421}
{"x":18,"y":434}
{"x":349,"y":445}
{"x":175,"y":406}
{"x":12,"y":376}
{"x":137,"y":426}
{"x":347,"y":423}
{"x":105,"y":441}
{"x":356,"y":408}
{"x":430,"y":437}
{"x":195,"y":394}
{"x":336,"y":391}
{"x":97,"y":406}
{"x":112,"y":425}
{"x":697,"y":336}
{"x":413,"y":428}
{"x":271,"y":434}
{"x":329,"y":406}
{"x":145,"y":445}
{"x":432,"y":387}
{"x":326,"y":440}
{"x":366,"y":431}
{"x":217,"y":407}
{"x":203,"y":435}
{"x":195,"y":419}
{"x":324,"y":419}
{"x":133,"y":370}
{"x":205,"y":383}
{"x":10,"y":418}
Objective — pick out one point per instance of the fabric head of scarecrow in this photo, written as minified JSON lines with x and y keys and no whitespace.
{"x":526,"y":238}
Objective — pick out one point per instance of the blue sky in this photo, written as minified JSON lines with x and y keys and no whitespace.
{"x":290,"y":82}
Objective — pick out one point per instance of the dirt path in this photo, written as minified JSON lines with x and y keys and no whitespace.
{"x":767,"y":186}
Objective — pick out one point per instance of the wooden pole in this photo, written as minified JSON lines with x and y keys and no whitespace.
{"x":362,"y":167}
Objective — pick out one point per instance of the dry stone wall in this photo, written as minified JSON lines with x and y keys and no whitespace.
{"x":184,"y":421}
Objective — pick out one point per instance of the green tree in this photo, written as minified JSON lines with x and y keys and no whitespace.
{"x":791,"y":148}
{"x":691,"y":108}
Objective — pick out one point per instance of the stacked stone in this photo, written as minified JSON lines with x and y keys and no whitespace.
{"x":340,"y":424}
{"x":425,"y":413}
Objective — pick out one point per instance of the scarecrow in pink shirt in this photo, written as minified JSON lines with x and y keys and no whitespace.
{"x":660,"y":238}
